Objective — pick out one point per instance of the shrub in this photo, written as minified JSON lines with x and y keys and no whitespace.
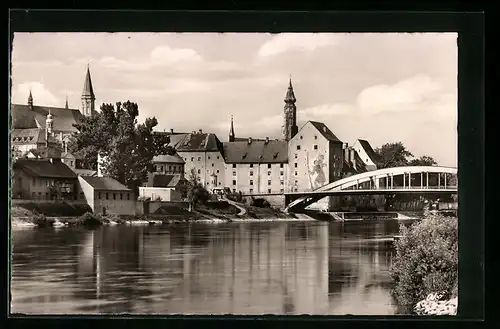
{"x":41,"y":221}
{"x":91,"y":220}
{"x":260,"y":203}
{"x":426,"y":260}
{"x":236,"y":197}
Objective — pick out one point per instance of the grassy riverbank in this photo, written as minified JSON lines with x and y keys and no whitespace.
{"x":61,"y":214}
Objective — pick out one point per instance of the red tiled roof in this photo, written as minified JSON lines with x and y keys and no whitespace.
{"x":44,"y":168}
{"x":105,"y":183}
{"x":256,"y":152}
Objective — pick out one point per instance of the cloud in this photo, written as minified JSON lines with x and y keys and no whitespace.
{"x":411,"y":94}
{"x":169,"y":56}
{"x":325,"y":110}
{"x":297,"y":41}
{"x":41,"y":95}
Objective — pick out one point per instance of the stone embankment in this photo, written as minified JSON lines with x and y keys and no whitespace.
{"x":433,"y":305}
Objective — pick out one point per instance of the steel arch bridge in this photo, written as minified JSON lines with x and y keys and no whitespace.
{"x":379,"y":181}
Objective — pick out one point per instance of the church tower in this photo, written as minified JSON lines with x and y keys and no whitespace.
{"x":88,"y":97}
{"x":231,"y":131}
{"x":290,"y":128}
{"x":30,"y":101}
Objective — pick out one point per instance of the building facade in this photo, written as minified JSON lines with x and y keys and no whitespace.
{"x":106,"y":195}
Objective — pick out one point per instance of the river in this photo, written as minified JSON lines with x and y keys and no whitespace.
{"x":258,"y":268}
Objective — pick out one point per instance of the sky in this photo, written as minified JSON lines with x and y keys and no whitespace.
{"x":384,"y":87}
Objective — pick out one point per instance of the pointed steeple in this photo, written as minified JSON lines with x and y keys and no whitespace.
{"x":231,"y":131}
{"x":88,"y":96}
{"x":30,"y":100}
{"x":66,"y":105}
{"x":290,"y":95}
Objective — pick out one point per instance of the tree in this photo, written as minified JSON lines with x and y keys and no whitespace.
{"x":127,"y":148}
{"x":196,"y":192}
{"x":424,"y":160}
{"x":392,"y":155}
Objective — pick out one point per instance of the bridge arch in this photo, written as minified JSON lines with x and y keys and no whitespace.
{"x":370,"y":176}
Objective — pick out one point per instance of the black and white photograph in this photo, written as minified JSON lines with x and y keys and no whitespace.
{"x":234,"y":173}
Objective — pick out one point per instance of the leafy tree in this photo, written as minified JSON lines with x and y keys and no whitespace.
{"x":392,"y":155}
{"x":127,"y":147}
{"x":196,"y":191}
{"x":424,"y":160}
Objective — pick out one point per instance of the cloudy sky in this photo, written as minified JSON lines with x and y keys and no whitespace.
{"x":380,"y":87}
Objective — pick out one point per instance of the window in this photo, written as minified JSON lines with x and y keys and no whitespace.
{"x":192,"y":158}
{"x":155,"y":168}
{"x":296,"y":190}
{"x":296,"y":182}
{"x":199,"y":171}
{"x":207,"y":183}
{"x":296,"y":173}
{"x":114,"y":196}
{"x":128,"y":196}
{"x":107,"y":196}
{"x":34,"y":181}
{"x":218,"y":157}
{"x":251,"y":182}
{"x":298,"y":147}
{"x":269,"y":190}
{"x":208,"y":171}
{"x":199,"y":158}
{"x":295,"y":165}
{"x":99,"y":196}
{"x":269,"y":182}
{"x":234,"y":182}
{"x":217,"y":170}
{"x":251,"y":165}
{"x":219,"y":183}
{"x":301,"y":137}
{"x":234,"y":165}
{"x":169,"y":168}
{"x":281,"y":165}
{"x":234,"y":190}
{"x":212,"y":164}
{"x":71,"y":163}
{"x":282,"y":183}
{"x":40,"y":195}
{"x":234,"y":173}
{"x":251,"y":190}
{"x":251,"y":173}
{"x":175,"y":167}
{"x":46,"y":195}
{"x":161,"y":168}
{"x":281,"y":173}
{"x":315,"y":137}
{"x":296,"y":156}
{"x":269,"y":173}
{"x":209,"y":157}
{"x":121,"y":196}
{"x":269,"y":165}
{"x":315,"y":147}
{"x":281,"y":190}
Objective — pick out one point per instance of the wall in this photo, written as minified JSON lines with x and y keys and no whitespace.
{"x":370,"y":165}
{"x":260,"y":177}
{"x":115,"y":206}
{"x":23,"y":148}
{"x":28,"y":201}
{"x":165,"y":193}
{"x":205,"y":164}
{"x":312,"y":169}
{"x":88,"y":192}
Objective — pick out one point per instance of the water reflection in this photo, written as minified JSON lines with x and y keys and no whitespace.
{"x":239,"y":268}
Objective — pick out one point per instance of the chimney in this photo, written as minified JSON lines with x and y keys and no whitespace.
{"x":249,"y":140}
{"x":351,"y":158}
{"x":171,"y":130}
{"x":267,"y":140}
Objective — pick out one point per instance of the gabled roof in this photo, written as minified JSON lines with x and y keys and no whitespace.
{"x":45,"y":152}
{"x":325,"y":131}
{"x":256,"y":152}
{"x":105,"y":183}
{"x":369,"y":150}
{"x":84,"y":172}
{"x":194,"y":142}
{"x":245,"y":139}
{"x":166,"y":180}
{"x":176,"y":158}
{"x":27,"y":136}
{"x":23,"y":117}
{"x":44,"y":168}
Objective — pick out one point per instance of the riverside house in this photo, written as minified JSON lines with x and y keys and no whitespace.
{"x":107,"y":195}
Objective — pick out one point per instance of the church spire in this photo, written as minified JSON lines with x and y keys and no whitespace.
{"x":231,"y":131}
{"x":30,"y":100}
{"x":66,"y":105}
{"x":88,"y":96}
{"x":290,"y":128}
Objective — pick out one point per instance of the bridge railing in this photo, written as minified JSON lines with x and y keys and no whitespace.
{"x":399,"y":188}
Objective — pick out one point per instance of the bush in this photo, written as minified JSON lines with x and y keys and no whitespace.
{"x":41,"y":221}
{"x":426,"y":260}
{"x":260,"y":203}
{"x":236,"y":197}
{"x":91,"y":220}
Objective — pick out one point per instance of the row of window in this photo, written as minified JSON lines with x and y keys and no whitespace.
{"x":269,"y":191}
{"x":160,"y":168}
{"x":269,"y":182}
{"x":199,"y":158}
{"x":47,"y":196}
{"x":251,"y":173}
{"x":116,"y":196}
{"x":298,"y":148}
{"x":268,"y":165}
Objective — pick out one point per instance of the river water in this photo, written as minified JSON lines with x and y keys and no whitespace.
{"x":282,"y":268}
